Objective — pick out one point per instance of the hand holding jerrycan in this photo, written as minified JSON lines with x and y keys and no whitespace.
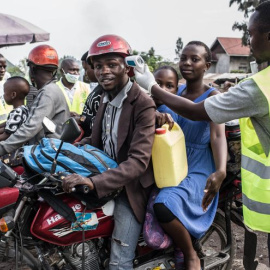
{"x":169,"y":156}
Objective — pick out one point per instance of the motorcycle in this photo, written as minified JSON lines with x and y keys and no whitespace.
{"x":40,"y":236}
{"x":36,"y":230}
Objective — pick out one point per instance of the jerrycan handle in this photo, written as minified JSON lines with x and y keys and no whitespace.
{"x":176,"y":127}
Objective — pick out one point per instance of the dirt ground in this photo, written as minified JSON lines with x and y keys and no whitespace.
{"x":261,"y":254}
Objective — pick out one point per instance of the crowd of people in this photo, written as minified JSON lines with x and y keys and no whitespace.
{"x":120,"y":119}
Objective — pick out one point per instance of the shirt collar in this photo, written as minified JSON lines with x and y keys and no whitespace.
{"x":73,"y":88}
{"x":121,"y":96}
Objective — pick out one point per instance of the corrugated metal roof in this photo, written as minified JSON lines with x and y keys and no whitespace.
{"x":232,"y":77}
{"x":217,"y":79}
{"x":233,"y":46}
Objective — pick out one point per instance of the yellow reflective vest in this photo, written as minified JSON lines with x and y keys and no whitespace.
{"x":4,"y":108}
{"x":81,"y":93}
{"x":3,"y":113}
{"x":255,"y":169}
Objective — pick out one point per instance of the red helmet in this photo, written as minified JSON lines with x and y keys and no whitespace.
{"x":43,"y":55}
{"x":109,"y":44}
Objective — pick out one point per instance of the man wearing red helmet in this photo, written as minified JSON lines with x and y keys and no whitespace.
{"x":50,"y":101}
{"x":124,"y":128}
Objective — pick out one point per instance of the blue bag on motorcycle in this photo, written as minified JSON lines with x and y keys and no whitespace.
{"x":85,"y":160}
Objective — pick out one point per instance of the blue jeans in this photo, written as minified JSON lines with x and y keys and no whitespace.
{"x":125,"y":235}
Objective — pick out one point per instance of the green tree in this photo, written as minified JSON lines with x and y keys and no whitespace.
{"x":15,"y":71}
{"x":19,"y":70}
{"x":151,"y":59}
{"x":155,"y":61}
{"x":179,"y":47}
{"x":247,"y":7}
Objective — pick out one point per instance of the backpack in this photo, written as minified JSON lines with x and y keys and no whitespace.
{"x":84,"y":160}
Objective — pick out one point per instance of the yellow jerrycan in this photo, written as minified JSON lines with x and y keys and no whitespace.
{"x":169,"y":156}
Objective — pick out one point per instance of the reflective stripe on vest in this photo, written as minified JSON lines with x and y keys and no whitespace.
{"x":81,"y":93}
{"x":255,"y":169}
{"x":262,"y":170}
{"x":262,"y":208}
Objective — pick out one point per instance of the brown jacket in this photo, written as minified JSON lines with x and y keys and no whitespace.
{"x":135,"y":138}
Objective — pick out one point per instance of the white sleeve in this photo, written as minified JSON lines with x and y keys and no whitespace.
{"x":243,"y":100}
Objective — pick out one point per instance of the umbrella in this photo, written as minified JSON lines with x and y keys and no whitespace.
{"x":15,"y":31}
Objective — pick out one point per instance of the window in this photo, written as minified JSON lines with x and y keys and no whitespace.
{"x":243,"y":67}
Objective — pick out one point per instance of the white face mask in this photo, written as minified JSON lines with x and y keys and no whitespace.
{"x":71,"y":78}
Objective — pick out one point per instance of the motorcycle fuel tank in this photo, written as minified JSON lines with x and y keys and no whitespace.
{"x":51,"y":227}
{"x":9,"y":197}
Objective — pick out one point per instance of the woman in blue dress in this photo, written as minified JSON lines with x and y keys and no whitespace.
{"x":187,"y":211}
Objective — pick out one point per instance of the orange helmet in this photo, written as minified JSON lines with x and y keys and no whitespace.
{"x":109,"y":44}
{"x":43,"y":55}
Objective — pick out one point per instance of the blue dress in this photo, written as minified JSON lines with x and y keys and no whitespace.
{"x":164,"y":109}
{"x":185,"y":200}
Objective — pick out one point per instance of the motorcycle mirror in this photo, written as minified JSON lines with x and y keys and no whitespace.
{"x":48,"y":126}
{"x":71,"y":131}
{"x":7,"y":176}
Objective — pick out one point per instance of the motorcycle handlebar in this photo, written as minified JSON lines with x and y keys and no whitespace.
{"x":53,"y":178}
{"x":58,"y":177}
{"x":81,"y":188}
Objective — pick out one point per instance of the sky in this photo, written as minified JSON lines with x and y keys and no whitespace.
{"x":74,"y":24}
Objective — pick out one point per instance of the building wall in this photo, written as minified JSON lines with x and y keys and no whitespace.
{"x":227,"y":64}
{"x":212,"y":69}
{"x":223,"y":63}
{"x":239,"y":63}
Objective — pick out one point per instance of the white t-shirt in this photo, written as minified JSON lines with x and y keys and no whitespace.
{"x":2,"y":88}
{"x":243,"y":100}
{"x":70,"y":92}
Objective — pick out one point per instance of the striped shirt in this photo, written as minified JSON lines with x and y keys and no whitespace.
{"x":110,"y":120}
